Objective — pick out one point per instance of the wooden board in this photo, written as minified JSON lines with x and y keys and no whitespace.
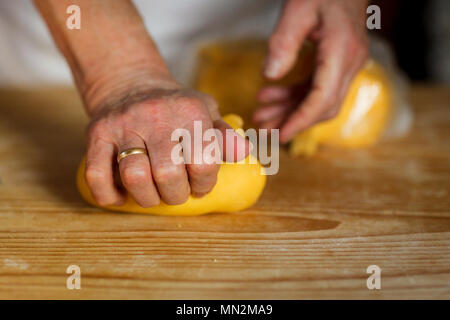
{"x":319,"y":224}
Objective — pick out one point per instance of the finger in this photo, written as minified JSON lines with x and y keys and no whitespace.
{"x":334,"y":111}
{"x":136,"y":175}
{"x":274,"y":123}
{"x":202,"y":168}
{"x":272,"y":94}
{"x":267,"y":113}
{"x":357,"y":63}
{"x":325,"y":89}
{"x":171,"y":178}
{"x":234,"y":146}
{"x":99,"y":176}
{"x":297,"y":20}
{"x":349,"y":75}
{"x":330,"y":114}
{"x":237,"y":147}
{"x":285,"y":99}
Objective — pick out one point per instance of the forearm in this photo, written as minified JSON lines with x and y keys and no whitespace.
{"x":110,"y":53}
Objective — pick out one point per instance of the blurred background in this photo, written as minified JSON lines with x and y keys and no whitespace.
{"x":419,"y":33}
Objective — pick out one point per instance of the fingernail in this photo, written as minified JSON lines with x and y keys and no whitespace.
{"x":272,"y":68}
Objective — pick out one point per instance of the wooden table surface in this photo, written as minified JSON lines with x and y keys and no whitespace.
{"x":319,"y":224}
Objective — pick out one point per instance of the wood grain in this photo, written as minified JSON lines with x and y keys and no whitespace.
{"x":319,"y":224}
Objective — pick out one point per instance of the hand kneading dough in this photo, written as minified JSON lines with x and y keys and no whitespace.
{"x":230,"y":71}
{"x":238,"y":187}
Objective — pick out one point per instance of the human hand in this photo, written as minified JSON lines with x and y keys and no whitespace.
{"x":146,"y":119}
{"x":338,"y":29}
{"x":134,"y":103}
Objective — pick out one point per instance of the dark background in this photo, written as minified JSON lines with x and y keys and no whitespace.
{"x":414,"y":34}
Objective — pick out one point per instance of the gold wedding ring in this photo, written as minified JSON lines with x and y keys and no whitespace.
{"x":130,"y":152}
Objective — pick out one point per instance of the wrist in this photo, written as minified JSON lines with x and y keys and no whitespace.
{"x":124,"y":85}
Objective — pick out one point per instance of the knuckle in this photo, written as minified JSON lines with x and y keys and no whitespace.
{"x":192,"y":105}
{"x":97,"y":128}
{"x":133,"y":175}
{"x":167,"y":174}
{"x":154,"y":106}
{"x":211,"y":102}
{"x":94,"y":175}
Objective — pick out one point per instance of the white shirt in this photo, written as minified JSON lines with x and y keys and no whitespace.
{"x":28,"y":55}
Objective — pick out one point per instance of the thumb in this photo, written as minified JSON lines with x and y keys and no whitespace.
{"x":234,"y":146}
{"x":297,"y":20}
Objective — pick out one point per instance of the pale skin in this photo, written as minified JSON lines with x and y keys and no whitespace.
{"x":338,"y":29}
{"x":134,"y":101}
